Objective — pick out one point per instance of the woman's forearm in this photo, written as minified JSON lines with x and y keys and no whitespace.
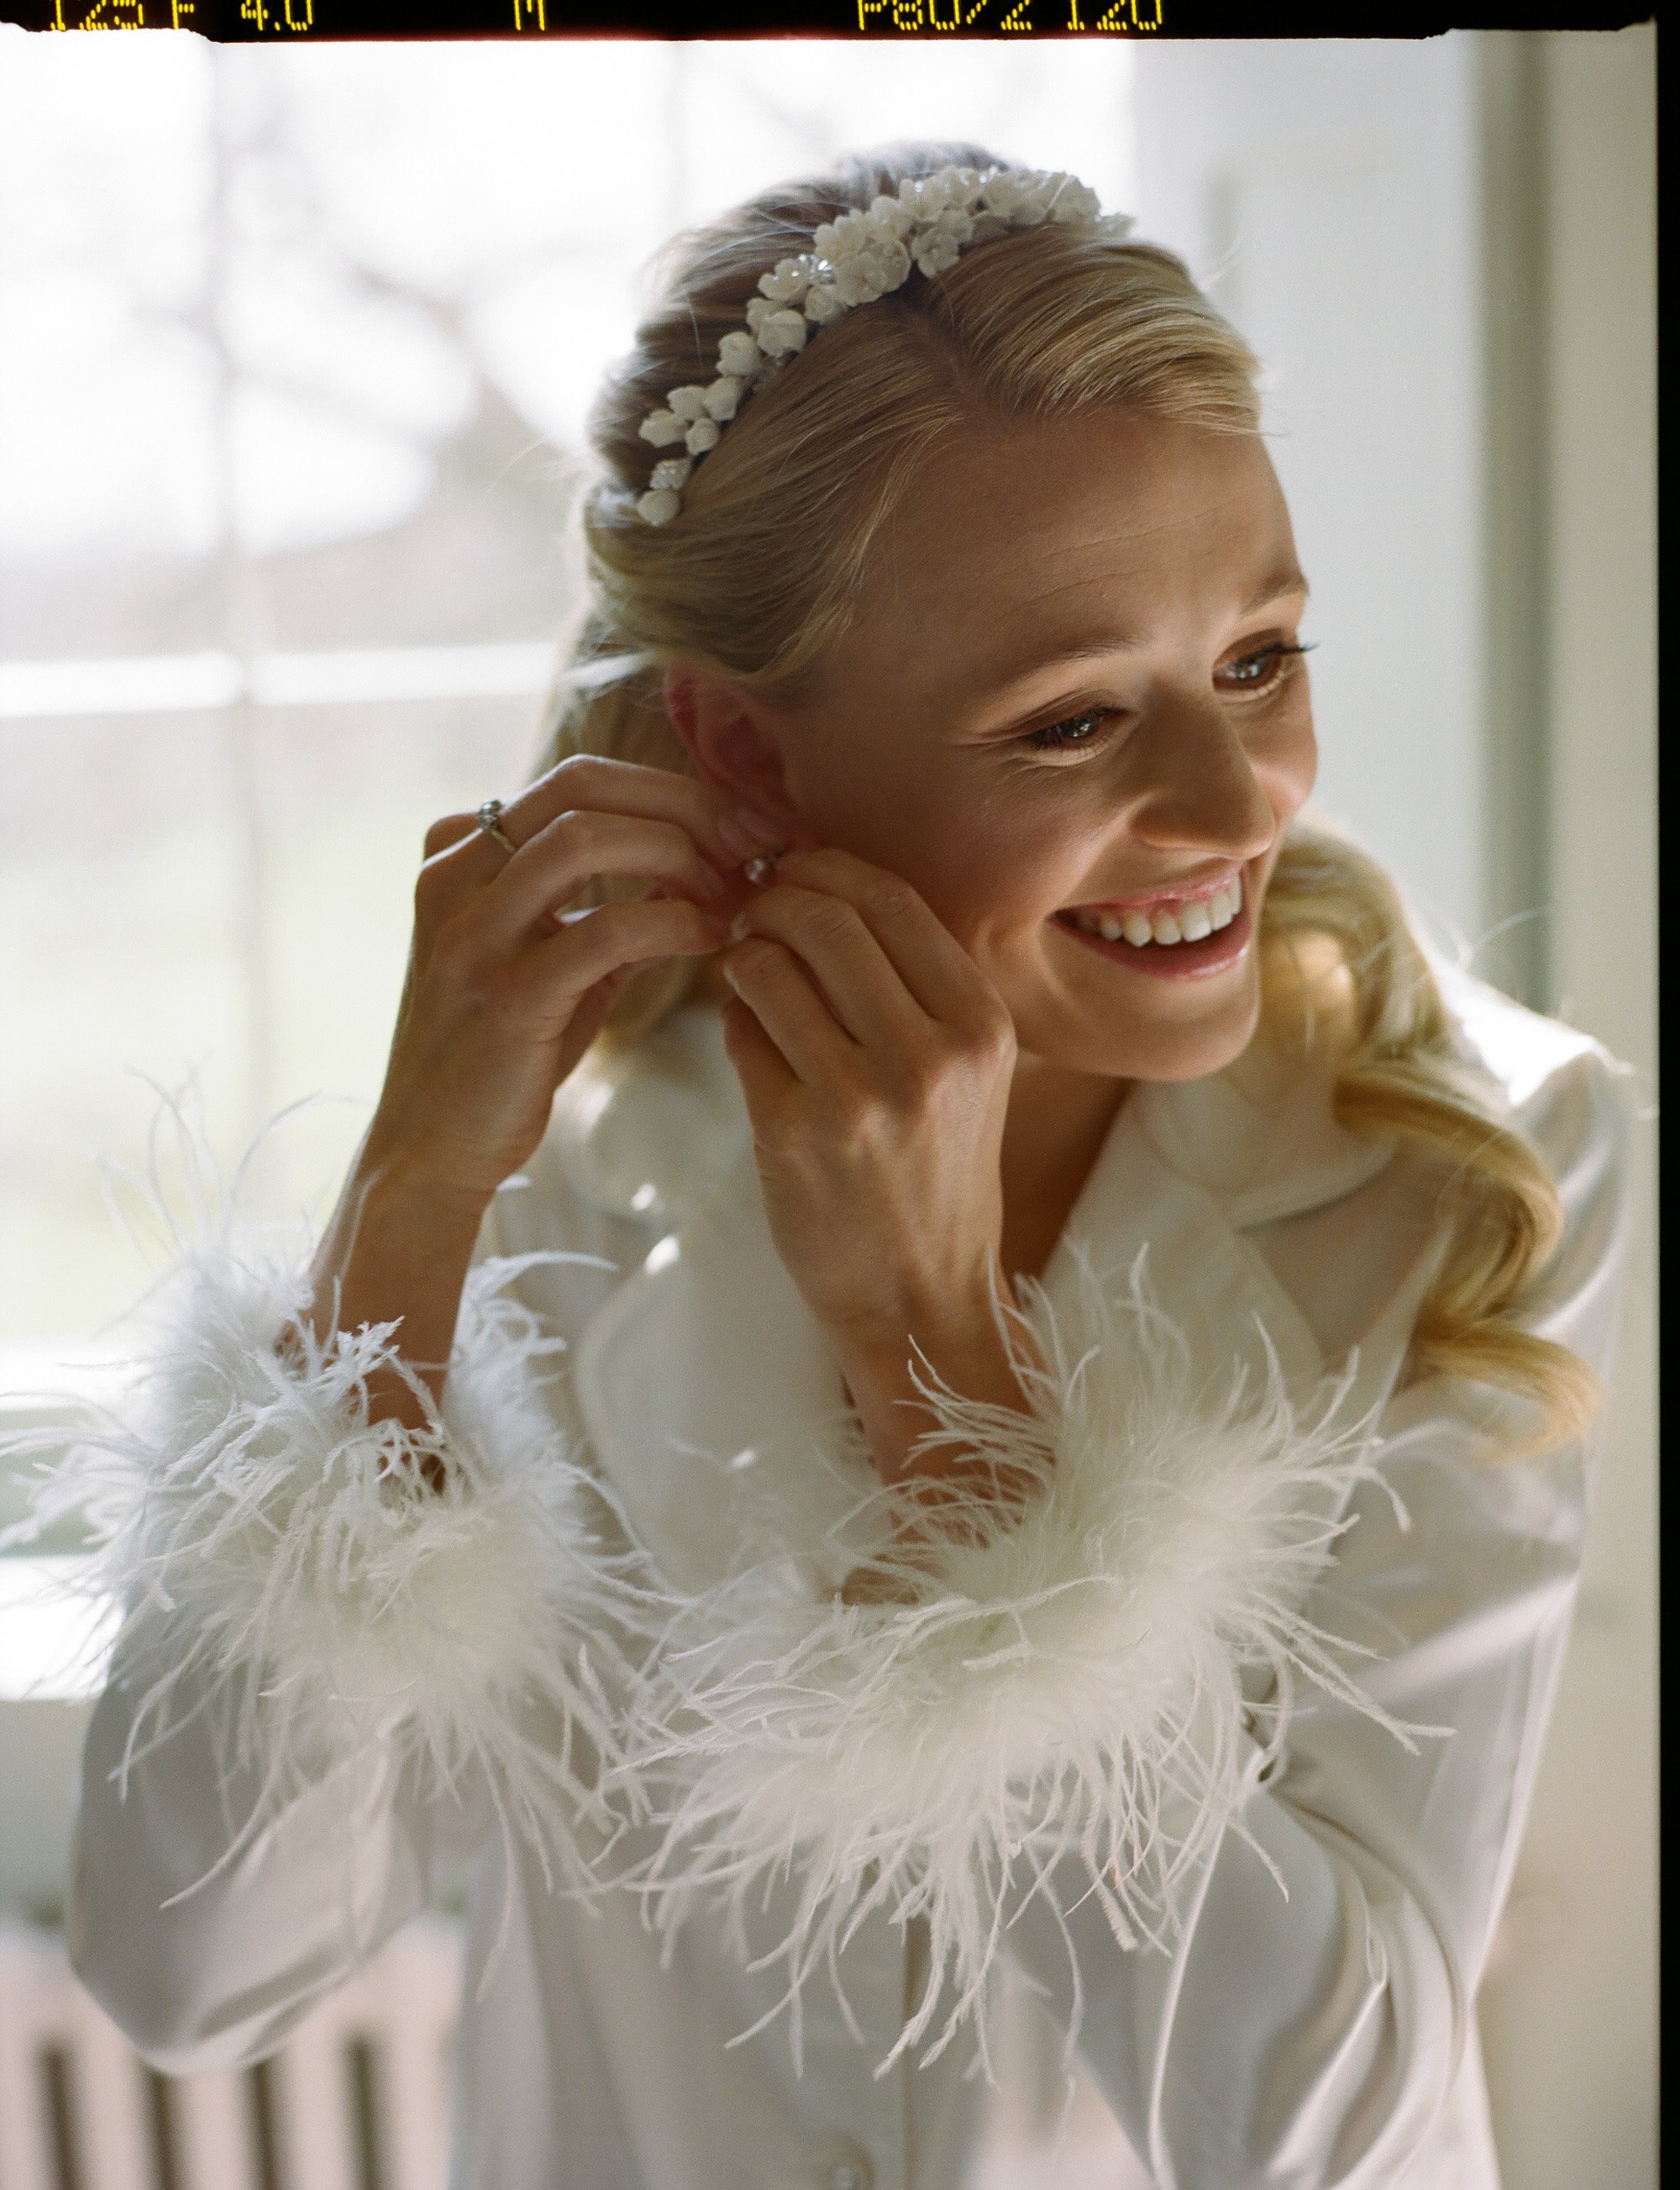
{"x":396,"y":1247}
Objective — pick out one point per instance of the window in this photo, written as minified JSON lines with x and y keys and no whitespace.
{"x":298,"y":348}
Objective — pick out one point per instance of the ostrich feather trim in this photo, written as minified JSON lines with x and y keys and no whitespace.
{"x":1065,"y":1678}
{"x":283,"y":1556}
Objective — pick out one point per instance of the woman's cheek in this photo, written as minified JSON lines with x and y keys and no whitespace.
{"x":1014,"y":889}
{"x":1293,"y":769}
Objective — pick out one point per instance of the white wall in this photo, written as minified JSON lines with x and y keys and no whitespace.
{"x":1447,"y":253}
{"x":1325,"y":191}
{"x":1568,"y":2023}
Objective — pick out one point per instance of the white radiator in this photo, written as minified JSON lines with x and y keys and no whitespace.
{"x":357,"y":2099}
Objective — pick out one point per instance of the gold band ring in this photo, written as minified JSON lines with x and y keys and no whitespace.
{"x":490,"y":821}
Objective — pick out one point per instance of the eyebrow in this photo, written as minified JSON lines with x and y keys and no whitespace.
{"x":1286,"y":580}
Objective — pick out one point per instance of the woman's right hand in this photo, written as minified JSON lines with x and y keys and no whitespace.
{"x":505,"y":988}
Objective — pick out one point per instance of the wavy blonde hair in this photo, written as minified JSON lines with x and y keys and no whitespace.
{"x":762,"y":572}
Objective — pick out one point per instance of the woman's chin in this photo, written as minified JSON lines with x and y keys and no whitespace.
{"x":1190,"y":1060}
{"x":1147,"y":1046}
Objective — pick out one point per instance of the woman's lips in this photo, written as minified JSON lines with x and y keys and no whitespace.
{"x":1153,"y":900}
{"x":1169,"y":961}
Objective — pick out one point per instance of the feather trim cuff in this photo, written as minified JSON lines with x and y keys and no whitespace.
{"x":283,"y":1560}
{"x":1068,"y":1682}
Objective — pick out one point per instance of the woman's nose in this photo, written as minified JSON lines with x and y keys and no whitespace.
{"x":1204,"y":794}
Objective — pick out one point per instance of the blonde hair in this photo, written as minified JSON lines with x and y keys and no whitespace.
{"x":761,"y":573}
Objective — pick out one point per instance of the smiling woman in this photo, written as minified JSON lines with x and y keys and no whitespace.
{"x":1073,"y":1527}
{"x":1121,"y":549}
{"x":845,"y":668}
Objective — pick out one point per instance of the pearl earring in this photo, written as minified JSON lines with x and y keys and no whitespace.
{"x":758,"y":871}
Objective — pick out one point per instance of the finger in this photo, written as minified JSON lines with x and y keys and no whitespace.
{"x":932,"y":964}
{"x":598,"y":941}
{"x":558,"y":864}
{"x":859,"y":982}
{"x":603,"y":785}
{"x":459,"y":855}
{"x":450,"y":830}
{"x":766,"y":1077}
{"x":588,"y":1017}
{"x":784,"y":1000}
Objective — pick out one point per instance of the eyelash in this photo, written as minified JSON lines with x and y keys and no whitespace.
{"x":1049,"y":739}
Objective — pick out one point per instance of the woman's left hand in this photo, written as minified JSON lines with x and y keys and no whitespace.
{"x":876,"y":1059}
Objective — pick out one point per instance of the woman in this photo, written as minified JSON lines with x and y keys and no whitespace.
{"x":996,"y":1490}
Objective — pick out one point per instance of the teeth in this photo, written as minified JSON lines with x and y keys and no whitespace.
{"x":1188,"y":922}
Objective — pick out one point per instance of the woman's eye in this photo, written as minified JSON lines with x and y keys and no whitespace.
{"x":1075,"y":730}
{"x":1267,"y":666}
{"x":1263,"y":671}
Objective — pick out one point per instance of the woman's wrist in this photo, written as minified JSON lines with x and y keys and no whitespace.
{"x":401,"y":1177}
{"x":398,"y":1249}
{"x":963,"y":1346}
{"x":395,"y":1247}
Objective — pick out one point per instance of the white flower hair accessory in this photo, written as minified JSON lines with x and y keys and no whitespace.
{"x":853,"y":261}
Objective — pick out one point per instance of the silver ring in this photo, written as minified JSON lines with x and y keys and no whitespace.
{"x":490,"y":821}
{"x":758,"y":870}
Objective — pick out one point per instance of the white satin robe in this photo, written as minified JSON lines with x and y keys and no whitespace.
{"x":1324,"y":2038}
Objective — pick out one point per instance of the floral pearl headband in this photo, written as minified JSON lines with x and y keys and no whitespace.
{"x":852,"y":261}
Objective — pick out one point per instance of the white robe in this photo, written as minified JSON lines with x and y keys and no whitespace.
{"x":1306,"y":2018}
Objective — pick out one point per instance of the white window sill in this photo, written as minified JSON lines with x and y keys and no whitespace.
{"x":55,"y":1634}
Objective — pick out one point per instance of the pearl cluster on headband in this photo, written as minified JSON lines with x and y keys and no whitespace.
{"x":852,"y":261}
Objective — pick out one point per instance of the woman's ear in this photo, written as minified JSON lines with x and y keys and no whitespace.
{"x":729,"y":739}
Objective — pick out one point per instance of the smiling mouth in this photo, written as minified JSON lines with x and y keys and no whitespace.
{"x":1197,"y":954}
{"x":1168,"y":924}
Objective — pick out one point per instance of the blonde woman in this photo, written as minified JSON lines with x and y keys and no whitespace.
{"x":944,"y":1414}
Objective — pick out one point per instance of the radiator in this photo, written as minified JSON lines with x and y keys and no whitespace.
{"x":357,"y":2099}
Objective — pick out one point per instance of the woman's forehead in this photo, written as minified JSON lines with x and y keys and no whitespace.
{"x":1064,"y":483}
{"x":1082,"y":534}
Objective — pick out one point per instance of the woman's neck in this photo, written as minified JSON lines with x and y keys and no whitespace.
{"x":1057,"y":1122}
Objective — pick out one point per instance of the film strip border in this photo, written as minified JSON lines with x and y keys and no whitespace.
{"x":288,"y":21}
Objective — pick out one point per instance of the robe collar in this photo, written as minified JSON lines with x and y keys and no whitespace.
{"x":710,"y":1394}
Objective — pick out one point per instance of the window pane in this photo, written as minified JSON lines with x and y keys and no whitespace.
{"x":247,"y":920}
{"x":349,"y":793}
{"x":107,"y":486}
{"x":304,"y":339}
{"x":120,"y":948}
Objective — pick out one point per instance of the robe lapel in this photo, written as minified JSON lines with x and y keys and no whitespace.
{"x":1207,"y":1276}
{"x":711,"y":1393}
{"x":1261,"y":1137}
{"x":712,"y":1397}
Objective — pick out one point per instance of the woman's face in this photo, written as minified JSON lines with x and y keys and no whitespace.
{"x":1068,"y":691}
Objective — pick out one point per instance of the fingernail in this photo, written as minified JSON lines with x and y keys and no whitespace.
{"x":735,"y":839}
{"x":759,"y":827}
